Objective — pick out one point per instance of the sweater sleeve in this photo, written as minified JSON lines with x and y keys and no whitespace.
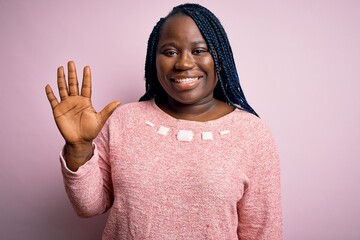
{"x":259,"y":210}
{"x":90,"y":188}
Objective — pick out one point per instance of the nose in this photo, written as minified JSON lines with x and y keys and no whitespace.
{"x":185,"y":61}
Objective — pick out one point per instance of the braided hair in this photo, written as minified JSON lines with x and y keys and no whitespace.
{"x":228,"y":88}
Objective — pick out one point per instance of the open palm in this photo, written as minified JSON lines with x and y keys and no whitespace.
{"x":77,"y":120}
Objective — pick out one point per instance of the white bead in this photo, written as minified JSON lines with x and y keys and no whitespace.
{"x":207,"y":136}
{"x":224,"y":132}
{"x":184,"y":135}
{"x":163,"y":130}
{"x":149,"y":123}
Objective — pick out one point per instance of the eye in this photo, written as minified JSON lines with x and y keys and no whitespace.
{"x":170,"y":53}
{"x":199,"y":51}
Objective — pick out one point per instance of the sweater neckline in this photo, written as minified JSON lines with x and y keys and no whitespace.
{"x":170,"y":119}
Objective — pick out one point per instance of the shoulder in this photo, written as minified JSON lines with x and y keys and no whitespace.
{"x":133,"y":107}
{"x":127,"y":112}
{"x":253,"y":127}
{"x":132,"y":114}
{"x":247,"y":120}
{"x":258,"y":139}
{"x":131,"y":110}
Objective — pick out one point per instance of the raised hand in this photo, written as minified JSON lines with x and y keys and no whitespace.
{"x":75,"y":117}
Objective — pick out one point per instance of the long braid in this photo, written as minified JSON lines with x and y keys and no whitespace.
{"x":228,"y":88}
{"x":225,"y":56}
{"x":152,"y":84}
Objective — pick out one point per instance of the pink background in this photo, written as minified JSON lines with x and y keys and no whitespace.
{"x":299,"y":63}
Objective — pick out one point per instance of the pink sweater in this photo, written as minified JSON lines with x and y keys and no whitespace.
{"x":216,"y":180}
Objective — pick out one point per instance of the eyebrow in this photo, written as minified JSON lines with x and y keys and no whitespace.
{"x":198,"y":43}
{"x":195,"y":43}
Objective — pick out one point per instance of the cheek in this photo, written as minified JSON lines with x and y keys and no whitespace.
{"x":162,"y":66}
{"x":161,"y":71}
{"x":158,"y":66}
{"x":208,"y":64}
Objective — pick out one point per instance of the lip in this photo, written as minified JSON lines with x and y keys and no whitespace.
{"x":175,"y":78}
{"x":185,"y":82}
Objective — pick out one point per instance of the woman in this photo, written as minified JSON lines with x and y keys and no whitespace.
{"x":191,"y":160}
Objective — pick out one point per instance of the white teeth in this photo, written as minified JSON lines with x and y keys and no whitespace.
{"x":185,"y":80}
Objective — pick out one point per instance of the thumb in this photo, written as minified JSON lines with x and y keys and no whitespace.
{"x":107,"y":111}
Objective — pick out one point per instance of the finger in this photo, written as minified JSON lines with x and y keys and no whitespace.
{"x":72,"y":79}
{"x":51,"y":97}
{"x":107,"y":111}
{"x":86,"y":84}
{"x":63,"y":91}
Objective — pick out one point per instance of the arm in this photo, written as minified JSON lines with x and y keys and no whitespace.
{"x":259,"y":211}
{"x":85,"y":170}
{"x":90,"y":187}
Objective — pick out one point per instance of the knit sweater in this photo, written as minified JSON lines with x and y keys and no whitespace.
{"x":166,"y":178}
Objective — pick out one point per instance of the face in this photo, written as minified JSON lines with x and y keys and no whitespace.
{"x":185,"y":67}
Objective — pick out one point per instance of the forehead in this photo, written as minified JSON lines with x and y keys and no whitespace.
{"x":180,"y":27}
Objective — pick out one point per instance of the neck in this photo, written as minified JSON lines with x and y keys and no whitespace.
{"x":205,"y":111}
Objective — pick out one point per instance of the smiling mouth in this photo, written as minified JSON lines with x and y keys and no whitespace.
{"x":186,"y":80}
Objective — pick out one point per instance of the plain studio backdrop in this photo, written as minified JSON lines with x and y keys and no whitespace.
{"x":299,"y":65}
